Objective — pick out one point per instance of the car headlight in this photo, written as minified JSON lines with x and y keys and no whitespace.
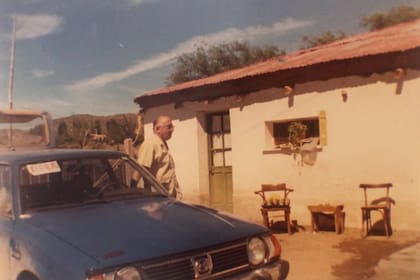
{"x":257,"y":250}
{"x":125,"y":273}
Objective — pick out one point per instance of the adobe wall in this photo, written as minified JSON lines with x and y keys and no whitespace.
{"x":372,"y":137}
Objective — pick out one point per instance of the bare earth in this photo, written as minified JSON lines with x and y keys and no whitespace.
{"x":326,"y":255}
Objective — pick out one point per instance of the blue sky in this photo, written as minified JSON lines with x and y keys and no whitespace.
{"x":95,"y":56}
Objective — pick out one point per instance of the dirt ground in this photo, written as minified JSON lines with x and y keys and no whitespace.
{"x":326,"y":255}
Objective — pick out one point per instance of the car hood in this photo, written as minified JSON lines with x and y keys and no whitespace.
{"x":132,"y":230}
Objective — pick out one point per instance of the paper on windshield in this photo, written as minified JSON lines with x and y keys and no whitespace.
{"x":43,"y":168}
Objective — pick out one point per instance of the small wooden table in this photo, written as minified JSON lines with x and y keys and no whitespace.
{"x":327,"y":209}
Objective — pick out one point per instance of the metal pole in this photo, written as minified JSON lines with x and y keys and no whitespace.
{"x":12,"y":65}
{"x":11,"y":77}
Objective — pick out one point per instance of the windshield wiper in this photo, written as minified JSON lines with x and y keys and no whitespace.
{"x":62,"y":205}
{"x":131,"y":194}
{"x":124,"y":194}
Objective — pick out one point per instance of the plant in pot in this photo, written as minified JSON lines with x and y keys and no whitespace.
{"x":297,"y":132}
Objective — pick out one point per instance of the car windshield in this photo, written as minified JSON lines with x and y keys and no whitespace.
{"x":70,"y":182}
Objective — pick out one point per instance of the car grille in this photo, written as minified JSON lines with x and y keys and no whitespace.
{"x":225,"y":261}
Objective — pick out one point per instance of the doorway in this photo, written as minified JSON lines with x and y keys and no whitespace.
{"x":220,"y":166}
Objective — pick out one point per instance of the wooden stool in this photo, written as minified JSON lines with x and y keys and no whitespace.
{"x":336,"y":210}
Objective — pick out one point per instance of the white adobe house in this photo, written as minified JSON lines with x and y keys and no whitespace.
{"x":360,"y":99}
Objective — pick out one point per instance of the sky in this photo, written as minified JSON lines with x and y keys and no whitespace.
{"x":95,"y":56}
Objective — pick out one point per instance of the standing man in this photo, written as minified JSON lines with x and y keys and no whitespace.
{"x":154,"y":154}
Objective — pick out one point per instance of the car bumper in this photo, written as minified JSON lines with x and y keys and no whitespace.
{"x":274,"y":271}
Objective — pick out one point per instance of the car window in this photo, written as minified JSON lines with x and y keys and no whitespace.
{"x":5,"y":196}
{"x":69,"y":182}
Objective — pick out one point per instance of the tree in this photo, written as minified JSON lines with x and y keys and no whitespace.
{"x":62,"y":128}
{"x":97,"y":127}
{"x":78,"y":131}
{"x":128,"y":127}
{"x":62,"y":134}
{"x":209,"y":60}
{"x":120,"y":129}
{"x":115,"y":131}
{"x":324,"y":38}
{"x":394,"y":16}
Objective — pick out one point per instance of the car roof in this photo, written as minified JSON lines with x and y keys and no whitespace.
{"x":19,"y":116}
{"x":16,"y":157}
{"x":24,"y":119}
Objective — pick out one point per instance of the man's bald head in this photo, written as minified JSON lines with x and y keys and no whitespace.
{"x":163,"y":127}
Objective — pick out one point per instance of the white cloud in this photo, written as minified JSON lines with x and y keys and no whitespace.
{"x":61,"y":102}
{"x":130,"y":89}
{"x":52,"y":105}
{"x":137,"y":2}
{"x":40,"y":73}
{"x":190,"y":45}
{"x":34,"y":26}
{"x":248,"y":33}
{"x":31,"y":1}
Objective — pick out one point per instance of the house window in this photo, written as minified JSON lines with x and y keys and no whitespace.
{"x":277,"y":135}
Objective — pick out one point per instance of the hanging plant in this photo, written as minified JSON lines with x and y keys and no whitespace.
{"x":297,"y":132}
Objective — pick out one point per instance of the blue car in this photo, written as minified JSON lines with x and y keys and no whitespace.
{"x":98,"y":215}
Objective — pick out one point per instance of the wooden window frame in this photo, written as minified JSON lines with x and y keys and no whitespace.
{"x":277,"y":133}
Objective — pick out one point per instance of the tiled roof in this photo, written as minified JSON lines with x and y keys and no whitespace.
{"x":398,"y":38}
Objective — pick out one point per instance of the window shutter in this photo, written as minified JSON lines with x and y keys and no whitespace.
{"x":322,"y":117}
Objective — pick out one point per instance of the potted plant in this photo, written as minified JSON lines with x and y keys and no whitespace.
{"x":297,"y":132}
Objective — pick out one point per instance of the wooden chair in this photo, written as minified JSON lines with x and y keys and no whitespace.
{"x":275,"y":200}
{"x":381,"y":205}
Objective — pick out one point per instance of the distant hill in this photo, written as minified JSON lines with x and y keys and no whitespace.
{"x":78,"y":130}
{"x":103,"y":120}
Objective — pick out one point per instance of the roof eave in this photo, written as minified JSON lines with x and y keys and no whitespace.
{"x":360,"y":66}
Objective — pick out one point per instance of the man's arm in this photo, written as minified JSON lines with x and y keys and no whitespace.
{"x":145,"y":154}
{"x":145,"y":158}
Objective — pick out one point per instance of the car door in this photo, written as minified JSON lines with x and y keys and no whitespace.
{"x":6,"y":223}
{"x":5,"y":233}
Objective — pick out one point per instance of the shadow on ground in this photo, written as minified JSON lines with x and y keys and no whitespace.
{"x":367,"y":254}
{"x":280,"y":227}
